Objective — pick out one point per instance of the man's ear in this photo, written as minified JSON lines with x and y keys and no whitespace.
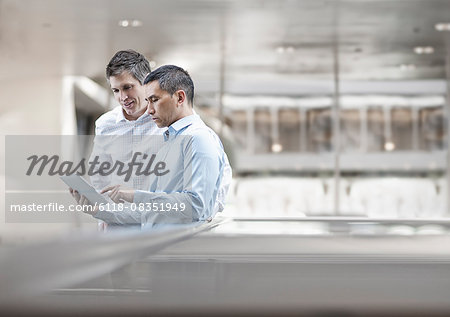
{"x":181,"y":97}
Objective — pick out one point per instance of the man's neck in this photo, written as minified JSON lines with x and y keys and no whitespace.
{"x":184,"y":114}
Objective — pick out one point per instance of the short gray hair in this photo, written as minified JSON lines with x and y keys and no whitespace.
{"x":172,"y":78}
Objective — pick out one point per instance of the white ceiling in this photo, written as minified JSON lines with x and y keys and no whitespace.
{"x":78,"y":37}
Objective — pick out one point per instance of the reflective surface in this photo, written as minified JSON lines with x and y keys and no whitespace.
{"x":334,"y":266}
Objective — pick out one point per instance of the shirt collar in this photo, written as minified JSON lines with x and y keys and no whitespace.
{"x":121,"y":117}
{"x":179,"y":125}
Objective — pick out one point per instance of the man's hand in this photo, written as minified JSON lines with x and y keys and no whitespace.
{"x":76,"y":195}
{"x":82,"y":200}
{"x":119,"y":193}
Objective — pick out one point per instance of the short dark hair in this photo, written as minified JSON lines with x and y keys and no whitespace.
{"x":172,"y":78}
{"x":131,"y":61}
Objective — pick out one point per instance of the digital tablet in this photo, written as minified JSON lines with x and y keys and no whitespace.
{"x":84,"y":188}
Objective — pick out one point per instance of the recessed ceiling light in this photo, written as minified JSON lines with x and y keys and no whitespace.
{"x":130,"y":23}
{"x":136,"y":23}
{"x":389,"y":146}
{"x":424,"y":50}
{"x":280,"y":49}
{"x":285,"y":49}
{"x":407,"y":67}
{"x":442,"y":27}
{"x":277,"y":147}
{"x":152,"y":64}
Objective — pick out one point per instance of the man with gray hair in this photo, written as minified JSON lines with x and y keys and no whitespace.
{"x":192,"y":153}
{"x":125,"y":73}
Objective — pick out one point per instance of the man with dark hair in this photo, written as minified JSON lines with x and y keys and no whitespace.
{"x":192,"y":153}
{"x":125,"y":73}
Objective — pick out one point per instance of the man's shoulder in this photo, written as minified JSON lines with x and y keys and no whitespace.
{"x":199,"y":129}
{"x":109,"y":116}
{"x":202,"y":136}
{"x":107,"y":121}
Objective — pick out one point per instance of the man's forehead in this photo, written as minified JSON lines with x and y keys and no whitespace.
{"x":124,"y":78}
{"x":152,"y":88}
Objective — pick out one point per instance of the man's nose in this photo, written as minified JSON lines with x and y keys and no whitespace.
{"x":150,"y":109}
{"x":123,"y":96}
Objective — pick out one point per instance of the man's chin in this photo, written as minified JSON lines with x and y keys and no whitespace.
{"x":133,"y":112}
{"x":129,"y":111}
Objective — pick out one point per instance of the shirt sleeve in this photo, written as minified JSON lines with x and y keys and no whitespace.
{"x":224,"y":186}
{"x":120,"y":214}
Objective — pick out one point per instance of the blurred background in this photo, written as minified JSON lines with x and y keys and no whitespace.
{"x":325,"y":108}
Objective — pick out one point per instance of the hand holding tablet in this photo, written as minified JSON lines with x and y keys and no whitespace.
{"x":85,"y":189}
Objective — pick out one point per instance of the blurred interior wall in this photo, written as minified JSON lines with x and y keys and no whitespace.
{"x":29,"y":106}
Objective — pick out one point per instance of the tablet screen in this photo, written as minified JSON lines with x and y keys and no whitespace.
{"x":84,"y":188}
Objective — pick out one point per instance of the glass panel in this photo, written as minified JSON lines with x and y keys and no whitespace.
{"x":431,"y":124}
{"x":289,"y":129}
{"x":320,"y":130}
{"x":238,"y":124}
{"x":402,"y":134}
{"x":350,"y":130}
{"x":263,"y":139}
{"x":376,"y":128}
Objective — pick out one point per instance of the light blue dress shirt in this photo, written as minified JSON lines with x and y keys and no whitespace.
{"x":195,"y":161}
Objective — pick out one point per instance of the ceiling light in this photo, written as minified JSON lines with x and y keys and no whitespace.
{"x":407,"y":67}
{"x":442,"y":27}
{"x":136,"y":23}
{"x":389,"y":146}
{"x":423,"y":50}
{"x":130,"y":23}
{"x":152,"y":64}
{"x":280,"y":49}
{"x":277,"y":147}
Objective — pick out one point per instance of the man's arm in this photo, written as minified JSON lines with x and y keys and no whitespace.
{"x":100,"y":150}
{"x":224,"y":186}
